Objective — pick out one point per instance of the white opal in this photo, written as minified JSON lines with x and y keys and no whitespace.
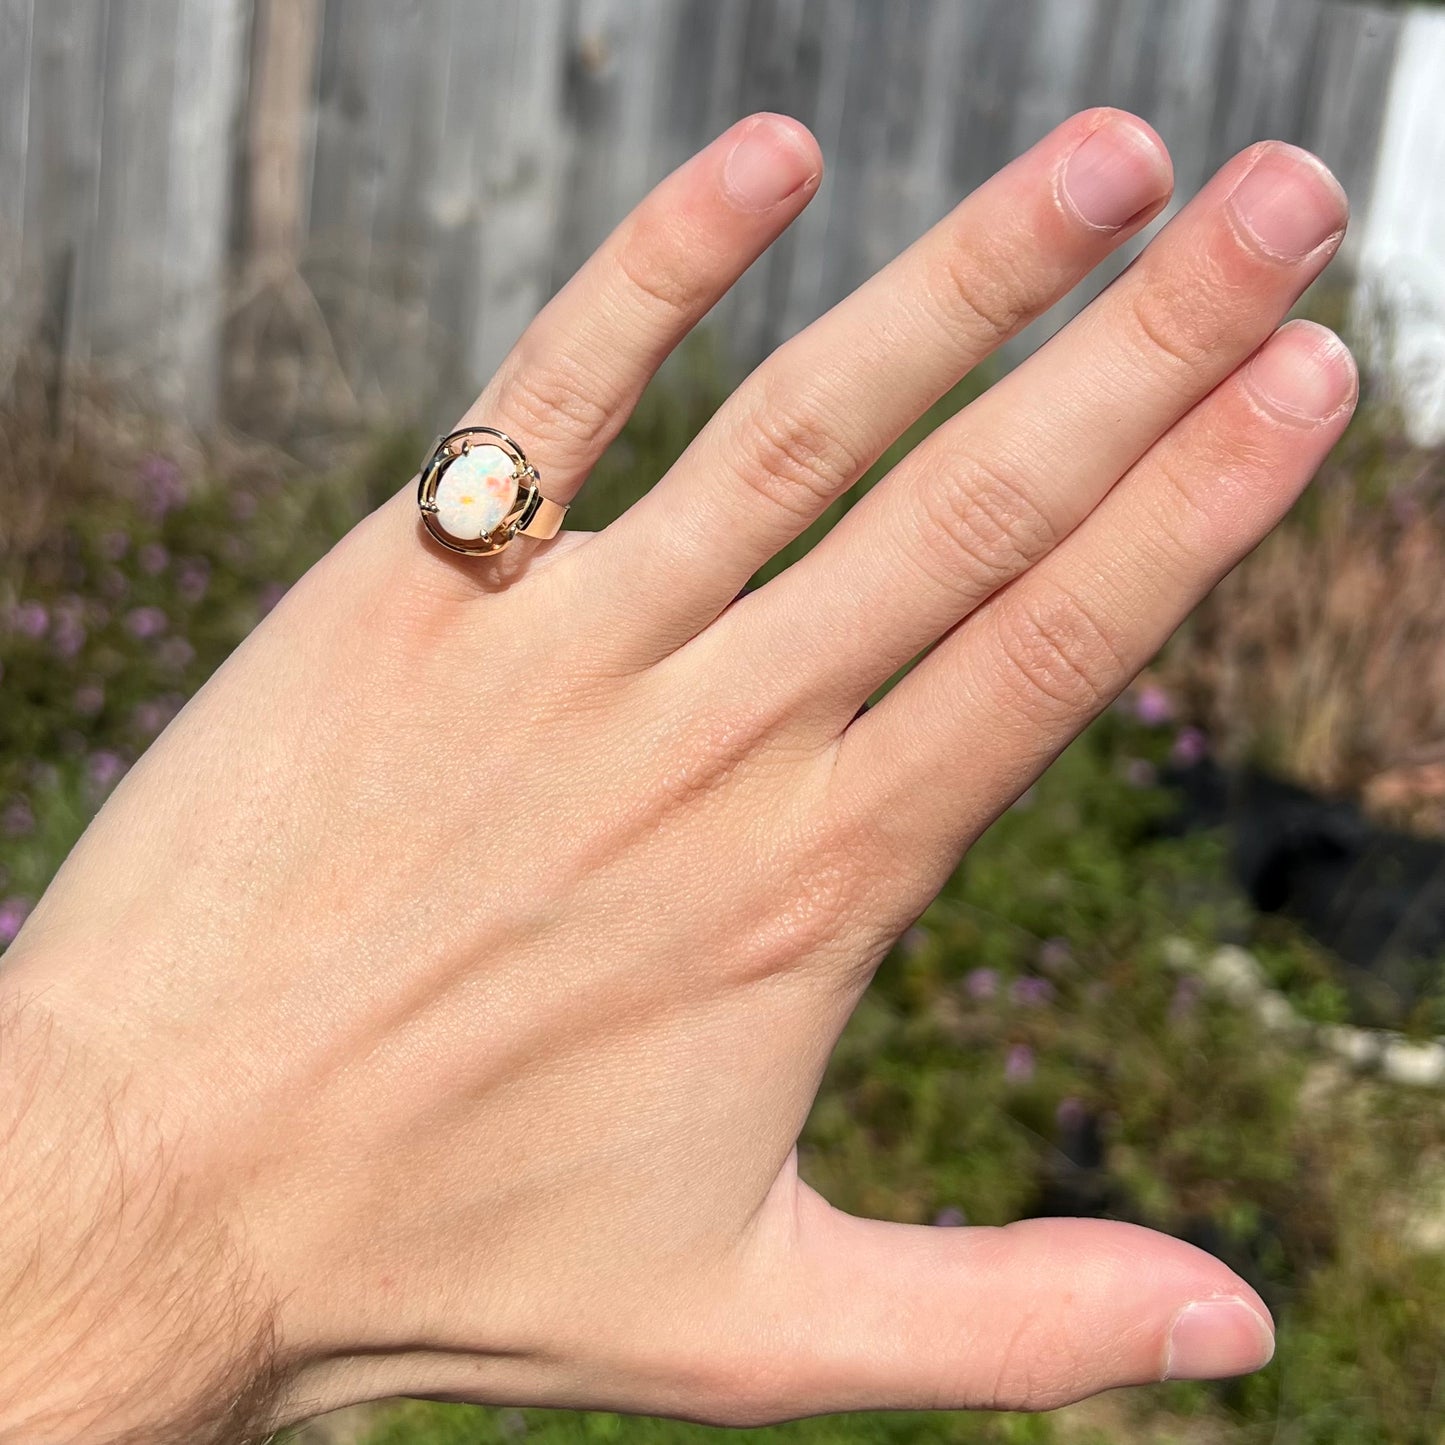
{"x":475,"y":492}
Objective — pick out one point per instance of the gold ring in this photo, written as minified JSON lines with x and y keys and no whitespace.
{"x":478,"y":491}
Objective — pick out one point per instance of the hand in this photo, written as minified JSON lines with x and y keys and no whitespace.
{"x":441,"y":997}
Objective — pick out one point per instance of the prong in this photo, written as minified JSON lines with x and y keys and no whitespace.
{"x":428,"y":506}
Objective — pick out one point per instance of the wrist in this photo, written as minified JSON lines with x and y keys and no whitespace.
{"x":127,"y":1308}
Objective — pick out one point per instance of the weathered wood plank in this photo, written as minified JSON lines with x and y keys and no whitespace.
{"x":62,"y":180}
{"x":16,"y":34}
{"x":522,"y":153}
{"x":128,"y":315}
{"x":278,"y":121}
{"x":1353,"y":67}
{"x":1402,"y":235}
{"x":210,"y":45}
{"x":457,"y":159}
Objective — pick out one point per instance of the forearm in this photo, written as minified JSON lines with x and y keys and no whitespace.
{"x":127,"y":1311}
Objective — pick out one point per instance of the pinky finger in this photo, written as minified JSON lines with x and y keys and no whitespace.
{"x":977,"y":721}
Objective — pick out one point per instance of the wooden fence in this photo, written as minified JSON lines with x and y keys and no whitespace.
{"x":283,"y":207}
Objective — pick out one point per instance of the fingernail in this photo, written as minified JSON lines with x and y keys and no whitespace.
{"x":1216,"y":1338}
{"x":1304,"y":371}
{"x":1289,"y":203}
{"x":766,"y":166}
{"x":1115,"y":174}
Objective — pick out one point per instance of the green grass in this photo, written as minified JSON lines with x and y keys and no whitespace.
{"x":416,"y":1422}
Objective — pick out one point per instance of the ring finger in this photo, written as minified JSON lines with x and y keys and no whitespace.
{"x":573,"y":377}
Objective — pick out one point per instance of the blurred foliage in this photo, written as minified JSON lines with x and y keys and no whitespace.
{"x":1026,"y":1049}
{"x":1320,"y":656}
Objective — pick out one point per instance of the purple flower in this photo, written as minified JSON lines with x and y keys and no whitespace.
{"x":145,"y":622}
{"x":1190,"y":746}
{"x":13,"y":912}
{"x":114,"y":546}
{"x":1405,"y":507}
{"x":17,"y":819}
{"x":153,"y":559}
{"x":106,"y":769}
{"x":913,"y":942}
{"x":950,"y":1217}
{"x":1018,"y":1064}
{"x":175,"y":653}
{"x":271,"y":594}
{"x":243,"y":505}
{"x":1185,"y":1000}
{"x":165,"y":487}
{"x":1032,"y":992}
{"x":1140,"y":773}
{"x":1055,"y":955}
{"x":69,"y":635}
{"x":114,"y":582}
{"x":30,"y":619}
{"x":150,"y":718}
{"x":1152,"y":705}
{"x":89,"y":698}
{"x":1071,"y":1113}
{"x":193,"y":577}
{"x":44,"y":777}
{"x":981,"y":983}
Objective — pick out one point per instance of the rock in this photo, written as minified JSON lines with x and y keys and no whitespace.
{"x":1360,"y":1047}
{"x":1419,"y":1064}
{"x":1234,"y":972}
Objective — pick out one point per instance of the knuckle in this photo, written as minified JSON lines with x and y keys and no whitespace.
{"x":989,"y":519}
{"x":793,"y":459}
{"x":812,"y":900}
{"x":1172,"y":325}
{"x":986,"y":290}
{"x":1060,"y":656}
{"x":1183,"y":510}
{"x":560,"y":401}
{"x":815,"y":879}
{"x":652,"y":267}
{"x":709,"y":748}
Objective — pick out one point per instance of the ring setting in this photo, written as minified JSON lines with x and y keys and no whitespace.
{"x":478,"y":492}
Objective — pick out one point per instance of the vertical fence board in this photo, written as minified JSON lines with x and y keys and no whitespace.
{"x":16,"y":33}
{"x":128,"y":312}
{"x":522,"y":151}
{"x":210,"y":50}
{"x":453,"y":161}
{"x":1402,"y":237}
{"x":62,"y":177}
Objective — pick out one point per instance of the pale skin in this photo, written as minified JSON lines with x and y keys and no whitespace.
{"x":436,"y":1006}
